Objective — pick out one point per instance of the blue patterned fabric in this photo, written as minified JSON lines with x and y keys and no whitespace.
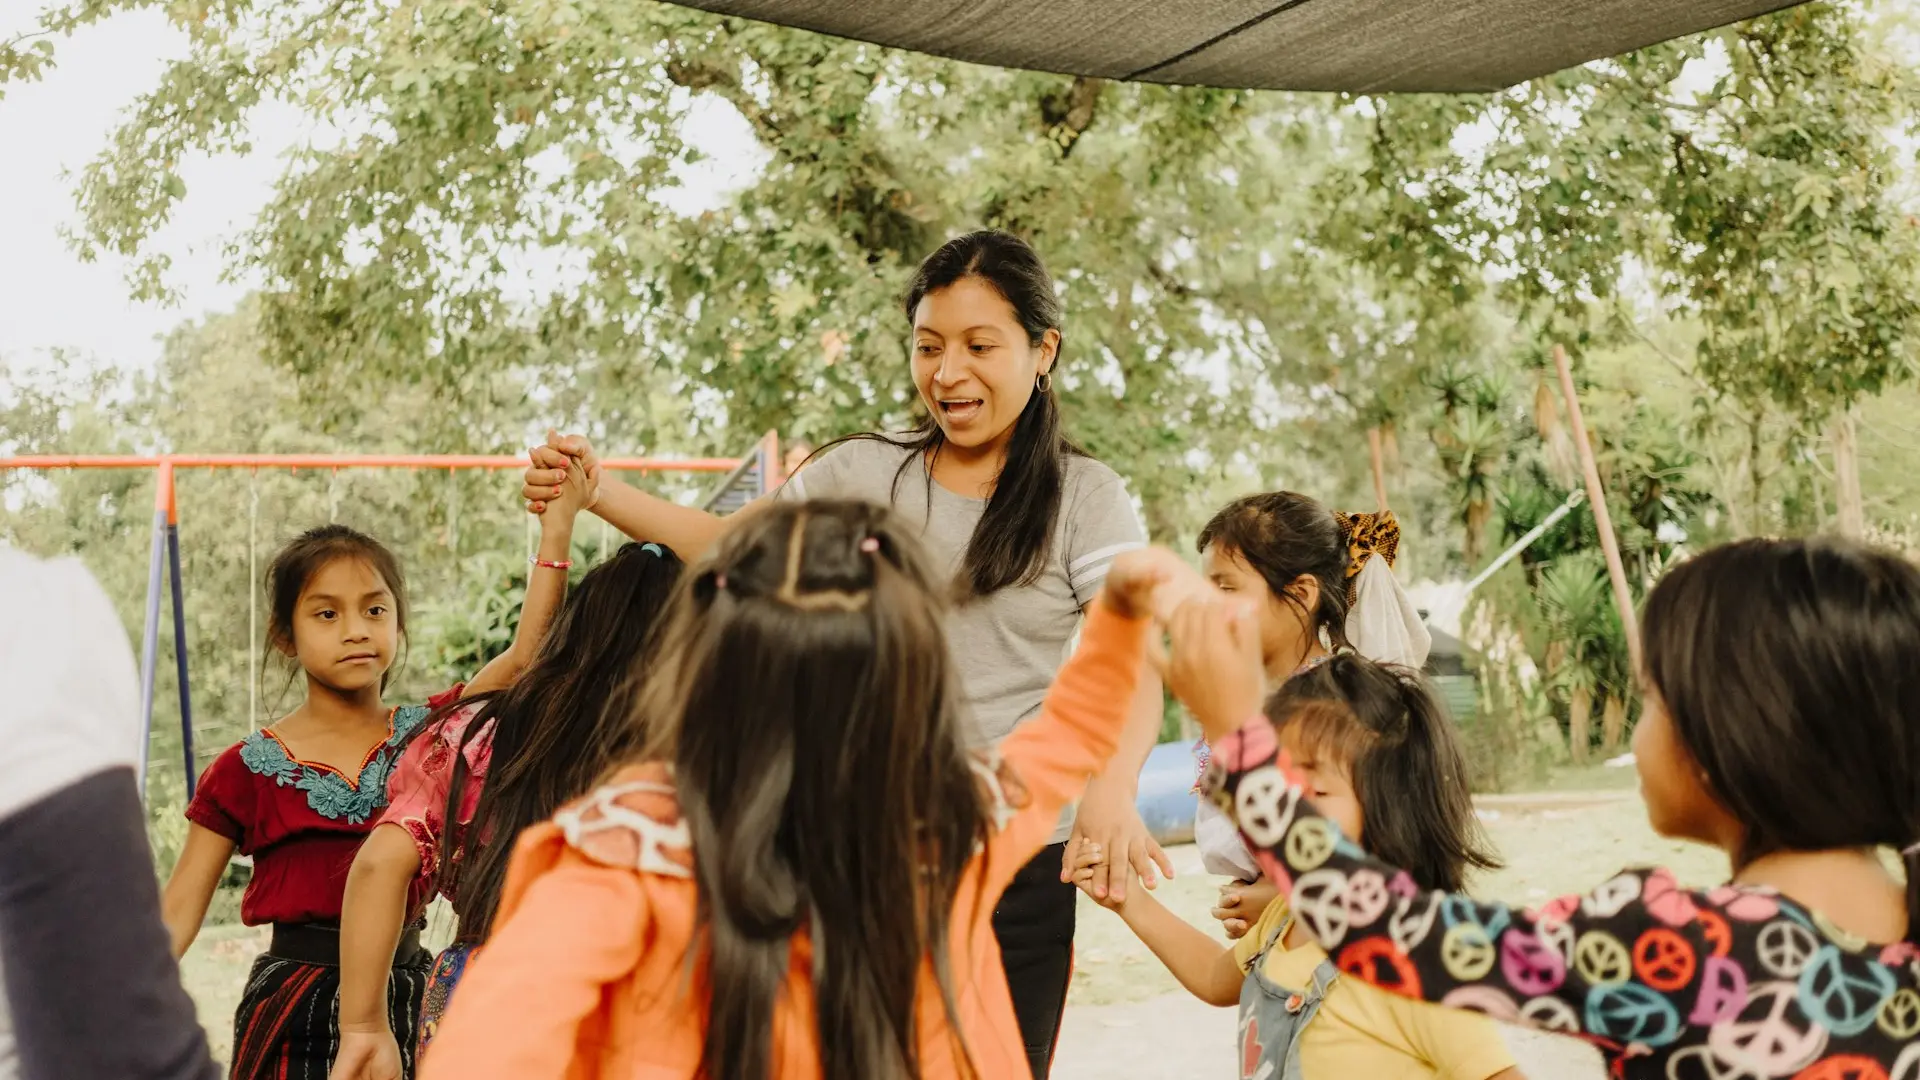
{"x":330,"y":794}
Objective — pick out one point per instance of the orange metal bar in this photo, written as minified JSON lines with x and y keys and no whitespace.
{"x":345,"y":461}
{"x":163,"y":500}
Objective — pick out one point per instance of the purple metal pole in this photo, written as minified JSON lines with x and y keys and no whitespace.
{"x":150,"y":643}
{"x":180,"y":656}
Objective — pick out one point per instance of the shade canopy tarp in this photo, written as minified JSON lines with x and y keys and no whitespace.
{"x":1361,"y":46}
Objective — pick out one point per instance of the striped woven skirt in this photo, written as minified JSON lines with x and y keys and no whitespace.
{"x":288,"y":1024}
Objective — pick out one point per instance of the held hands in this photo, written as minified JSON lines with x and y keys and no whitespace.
{"x":1241,"y":905}
{"x":563,"y":459}
{"x":1087,"y":864}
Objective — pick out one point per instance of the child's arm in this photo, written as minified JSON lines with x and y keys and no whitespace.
{"x":1212,"y":973}
{"x":546,"y":587}
{"x":688,"y":531}
{"x":183,"y":904}
{"x":371,"y":918}
{"x":1046,"y":763}
{"x":567,"y":927}
{"x":1634,"y":961}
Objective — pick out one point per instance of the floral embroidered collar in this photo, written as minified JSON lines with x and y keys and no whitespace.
{"x":331,"y":793}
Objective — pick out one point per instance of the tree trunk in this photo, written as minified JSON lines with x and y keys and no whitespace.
{"x":1580,"y":724}
{"x":1846,"y":474}
{"x":1613,"y":725}
{"x":1163,"y":524}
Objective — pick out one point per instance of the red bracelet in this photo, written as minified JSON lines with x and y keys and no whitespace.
{"x":563,"y":564}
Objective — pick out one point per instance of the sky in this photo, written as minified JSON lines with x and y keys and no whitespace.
{"x":51,"y":129}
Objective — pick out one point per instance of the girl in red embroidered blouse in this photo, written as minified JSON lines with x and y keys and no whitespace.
{"x":300,"y":795}
{"x":498,"y":764}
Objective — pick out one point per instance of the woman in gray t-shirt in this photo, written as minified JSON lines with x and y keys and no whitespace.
{"x":1026,"y":523}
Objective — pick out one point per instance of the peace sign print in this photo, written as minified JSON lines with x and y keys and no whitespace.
{"x":1489,"y":1000}
{"x":1701,"y":1063}
{"x":1667,"y":901}
{"x":1309,"y":843}
{"x":1376,"y":961}
{"x":1851,"y":942}
{"x":1367,"y":897}
{"x":1785,"y":947}
{"x":1457,"y":910}
{"x":1900,"y":1016}
{"x":1844,"y":1067}
{"x":1743,"y":904}
{"x":1715,"y":929}
{"x":1631,"y":1013}
{"x":1664,"y":960}
{"x":1767,"y":1036}
{"x":1466,"y":952}
{"x":1907,"y":1065}
{"x":1723,"y":991}
{"x":1558,"y":936}
{"x":1610,"y":899}
{"x":1550,"y":1014}
{"x":1410,"y":925}
{"x":1320,"y":903}
{"x":1264,"y":804}
{"x":1845,"y":997}
{"x":1531,"y":965}
{"x":1601,"y":959}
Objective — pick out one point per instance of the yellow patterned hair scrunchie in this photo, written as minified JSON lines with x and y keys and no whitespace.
{"x":1367,"y":535}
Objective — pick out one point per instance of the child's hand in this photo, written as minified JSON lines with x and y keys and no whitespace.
{"x":1213,"y":665}
{"x":550,"y":467}
{"x":1087,"y":859}
{"x":1151,"y":582}
{"x":570,"y":495}
{"x":1241,"y":905}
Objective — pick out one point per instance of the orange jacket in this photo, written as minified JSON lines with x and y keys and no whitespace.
{"x":587,"y":971}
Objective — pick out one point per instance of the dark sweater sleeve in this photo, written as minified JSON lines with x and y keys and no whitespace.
{"x":91,"y":984}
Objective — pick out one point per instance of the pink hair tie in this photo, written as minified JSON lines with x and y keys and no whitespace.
{"x":870,"y":545}
{"x":1910,"y":850}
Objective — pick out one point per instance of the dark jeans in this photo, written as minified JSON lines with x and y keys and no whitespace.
{"x":1034,"y":924}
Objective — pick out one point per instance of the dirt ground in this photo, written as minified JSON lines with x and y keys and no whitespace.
{"x":1128,"y":1019}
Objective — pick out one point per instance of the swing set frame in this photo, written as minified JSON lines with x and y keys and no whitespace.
{"x":164,"y":556}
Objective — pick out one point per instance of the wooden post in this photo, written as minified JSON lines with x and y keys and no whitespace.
{"x":1597,"y":498}
{"x":1846,"y":474}
{"x":1379,"y":469}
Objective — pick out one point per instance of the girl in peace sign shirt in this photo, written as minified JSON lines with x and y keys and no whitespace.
{"x":1780,"y":694}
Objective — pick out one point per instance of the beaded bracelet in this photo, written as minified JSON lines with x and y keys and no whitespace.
{"x":562,"y":564}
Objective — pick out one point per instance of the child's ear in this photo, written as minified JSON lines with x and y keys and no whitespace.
{"x":283,"y":644}
{"x":1306,"y":590}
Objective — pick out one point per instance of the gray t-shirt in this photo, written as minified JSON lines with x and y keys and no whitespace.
{"x":1007,"y":647}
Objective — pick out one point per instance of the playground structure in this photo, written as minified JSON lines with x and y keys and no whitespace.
{"x":754,"y":473}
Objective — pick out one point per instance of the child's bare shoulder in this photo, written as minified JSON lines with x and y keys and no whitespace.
{"x":632,"y":821}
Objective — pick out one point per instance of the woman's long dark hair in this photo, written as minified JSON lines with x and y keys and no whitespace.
{"x":1011,"y":543}
{"x":1789,"y":671}
{"x":804,"y":693}
{"x":1383,"y":726}
{"x":562,"y":723}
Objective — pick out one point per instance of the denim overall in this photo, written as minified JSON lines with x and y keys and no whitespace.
{"x":1272,"y":1017}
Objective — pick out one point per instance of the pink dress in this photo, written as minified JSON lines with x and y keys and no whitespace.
{"x":417,"y":802}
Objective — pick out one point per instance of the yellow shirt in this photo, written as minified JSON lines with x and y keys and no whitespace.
{"x":1362,"y":1030}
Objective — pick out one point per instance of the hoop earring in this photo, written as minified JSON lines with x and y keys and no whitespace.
{"x":1044,"y":382}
